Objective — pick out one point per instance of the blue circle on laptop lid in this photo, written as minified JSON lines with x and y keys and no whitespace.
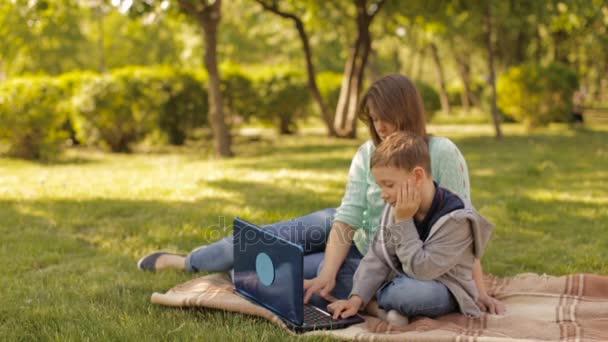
{"x":264,"y":268}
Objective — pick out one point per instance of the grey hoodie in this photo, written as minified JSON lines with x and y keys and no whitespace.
{"x":447,"y":255}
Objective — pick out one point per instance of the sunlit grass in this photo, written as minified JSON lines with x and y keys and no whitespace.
{"x":72,"y":231}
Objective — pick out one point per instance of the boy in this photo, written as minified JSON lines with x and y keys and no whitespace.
{"x":421,"y":259}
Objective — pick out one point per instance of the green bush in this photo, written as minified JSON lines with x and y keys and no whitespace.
{"x":284,"y":98}
{"x":240,"y":97}
{"x":184,"y":107}
{"x":455,"y":94}
{"x":122,"y":108}
{"x":114,"y":111}
{"x":70,"y":83}
{"x":430,"y":98}
{"x":32,"y":116}
{"x":537,"y":95}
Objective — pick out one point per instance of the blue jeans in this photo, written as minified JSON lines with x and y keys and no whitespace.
{"x":412,"y":297}
{"x":310,"y":231}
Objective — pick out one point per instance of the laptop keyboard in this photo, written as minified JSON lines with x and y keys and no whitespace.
{"x":313,"y":316}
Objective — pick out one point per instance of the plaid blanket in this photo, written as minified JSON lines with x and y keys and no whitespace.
{"x":539,"y":308}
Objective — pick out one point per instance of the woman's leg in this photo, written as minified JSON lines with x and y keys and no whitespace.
{"x":413,"y":297}
{"x":310,"y":231}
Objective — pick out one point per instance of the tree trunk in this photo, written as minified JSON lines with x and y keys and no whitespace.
{"x":538,"y":54}
{"x":419,"y":63}
{"x":560,"y":50}
{"x":345,"y":122}
{"x":326,"y":113}
{"x":374,"y":71}
{"x":492,"y":80}
{"x":443,"y":92}
{"x":100,"y":41}
{"x":209,"y":19}
{"x":312,"y":81}
{"x":521,"y":43}
{"x":464,"y":71}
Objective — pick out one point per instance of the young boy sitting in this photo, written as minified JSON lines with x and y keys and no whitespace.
{"x":420,"y":262}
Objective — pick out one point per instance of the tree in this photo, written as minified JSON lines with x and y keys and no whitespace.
{"x":274,"y":7}
{"x":41,"y":36}
{"x":492,"y":79}
{"x":352,"y":82}
{"x":207,"y":14}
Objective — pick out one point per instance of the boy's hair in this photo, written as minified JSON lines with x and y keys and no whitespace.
{"x":402,"y":150}
{"x":396,"y":100}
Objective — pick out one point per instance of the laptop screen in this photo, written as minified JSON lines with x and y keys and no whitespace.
{"x":268,"y":270}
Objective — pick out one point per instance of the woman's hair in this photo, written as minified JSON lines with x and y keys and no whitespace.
{"x":394,"y":99}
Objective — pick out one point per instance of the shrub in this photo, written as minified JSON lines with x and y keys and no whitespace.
{"x":31,"y":117}
{"x":284,"y":98}
{"x":70,"y":84}
{"x":184,"y":107}
{"x":119,"y":109}
{"x":537,"y":95}
{"x":430,"y":98}
{"x":114,"y":111}
{"x":240,"y":97}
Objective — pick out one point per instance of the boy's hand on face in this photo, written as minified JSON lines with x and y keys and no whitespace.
{"x":408,"y":200}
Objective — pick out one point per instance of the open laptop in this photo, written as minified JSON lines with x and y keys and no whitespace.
{"x":268,"y":270}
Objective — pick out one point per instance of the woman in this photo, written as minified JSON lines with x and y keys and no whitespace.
{"x":336,"y":240}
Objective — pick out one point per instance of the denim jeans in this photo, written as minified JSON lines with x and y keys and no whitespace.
{"x":412,"y":297}
{"x":310,"y":232}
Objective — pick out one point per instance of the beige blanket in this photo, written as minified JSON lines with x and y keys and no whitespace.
{"x":539,"y":308}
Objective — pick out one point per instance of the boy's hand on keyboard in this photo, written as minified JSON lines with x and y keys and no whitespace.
{"x":345,"y":308}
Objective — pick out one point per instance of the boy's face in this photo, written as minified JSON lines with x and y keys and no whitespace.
{"x":389,"y":179}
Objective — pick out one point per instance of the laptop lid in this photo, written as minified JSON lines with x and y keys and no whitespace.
{"x":269,"y":270}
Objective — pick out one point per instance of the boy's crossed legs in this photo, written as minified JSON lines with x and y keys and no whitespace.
{"x":412,"y":297}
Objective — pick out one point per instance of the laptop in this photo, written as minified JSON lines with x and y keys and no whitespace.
{"x":268,"y":270}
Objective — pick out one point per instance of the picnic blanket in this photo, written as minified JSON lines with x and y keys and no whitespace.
{"x":539,"y":308}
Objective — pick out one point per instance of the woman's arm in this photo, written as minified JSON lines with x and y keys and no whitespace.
{"x":348,"y":216}
{"x":449,"y":167}
{"x":338,"y":244}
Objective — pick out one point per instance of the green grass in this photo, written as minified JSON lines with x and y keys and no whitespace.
{"x":71,"y":232}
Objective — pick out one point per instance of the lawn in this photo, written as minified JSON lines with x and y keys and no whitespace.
{"x":72,"y":231}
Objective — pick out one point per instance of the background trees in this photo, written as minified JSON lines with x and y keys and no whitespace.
{"x":454,"y":50}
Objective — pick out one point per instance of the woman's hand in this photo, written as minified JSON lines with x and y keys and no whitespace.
{"x":345,"y":308}
{"x":490,"y":304}
{"x":408,"y":200}
{"x":322,"y":285}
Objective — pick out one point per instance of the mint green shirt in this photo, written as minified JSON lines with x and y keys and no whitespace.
{"x":362,"y":203}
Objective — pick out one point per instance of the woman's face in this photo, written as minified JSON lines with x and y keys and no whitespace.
{"x":383,"y":128}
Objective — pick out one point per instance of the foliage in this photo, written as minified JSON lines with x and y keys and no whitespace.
{"x":184,"y":107}
{"x":240,"y":96}
{"x":123,"y":107}
{"x":115,"y":111}
{"x":41,"y":37}
{"x":329,"y":86}
{"x":430,"y":98}
{"x":32,"y":116}
{"x":284,"y":98}
{"x":537,"y":95}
